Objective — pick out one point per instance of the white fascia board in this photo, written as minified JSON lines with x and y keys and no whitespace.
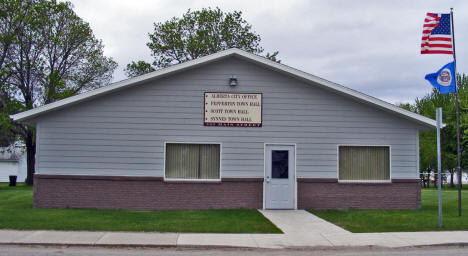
{"x":216,"y":56}
{"x":23,"y":116}
{"x":341,"y":89}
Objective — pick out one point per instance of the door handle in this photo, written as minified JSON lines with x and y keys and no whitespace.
{"x":268,"y":179}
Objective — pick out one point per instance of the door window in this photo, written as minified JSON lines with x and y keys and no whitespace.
{"x":279,"y":164}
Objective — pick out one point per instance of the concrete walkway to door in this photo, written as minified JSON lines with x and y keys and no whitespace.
{"x":302,"y":228}
{"x":293,"y":222}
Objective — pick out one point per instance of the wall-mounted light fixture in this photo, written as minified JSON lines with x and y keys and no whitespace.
{"x":233,"y":80}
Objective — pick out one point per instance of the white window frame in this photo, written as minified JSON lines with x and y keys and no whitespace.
{"x":363,"y":181}
{"x":195,"y":180}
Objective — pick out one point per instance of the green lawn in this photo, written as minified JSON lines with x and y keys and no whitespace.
{"x":405,"y":220}
{"x":16,"y":212}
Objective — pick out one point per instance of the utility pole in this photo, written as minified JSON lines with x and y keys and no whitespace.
{"x":439,"y":162}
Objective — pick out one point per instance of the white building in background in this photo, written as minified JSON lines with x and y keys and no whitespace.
{"x":455,"y":178}
{"x":13,"y":162}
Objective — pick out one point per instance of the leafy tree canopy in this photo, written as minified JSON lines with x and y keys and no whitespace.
{"x":197,"y":34}
{"x":426,"y":106}
{"x":47,"y":53}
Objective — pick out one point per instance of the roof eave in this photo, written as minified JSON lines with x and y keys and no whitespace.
{"x":427,"y":122}
{"x":31,"y":114}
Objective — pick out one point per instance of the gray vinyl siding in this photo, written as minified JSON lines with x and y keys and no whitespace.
{"x":123,"y":133}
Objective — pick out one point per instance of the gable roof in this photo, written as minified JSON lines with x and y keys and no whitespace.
{"x":30,"y":114}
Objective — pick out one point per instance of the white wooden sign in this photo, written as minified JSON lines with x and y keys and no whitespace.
{"x":233,"y":109}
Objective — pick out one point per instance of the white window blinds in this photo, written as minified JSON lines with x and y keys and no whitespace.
{"x":364,"y":163}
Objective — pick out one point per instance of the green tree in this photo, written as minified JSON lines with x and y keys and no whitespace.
{"x":10,"y":27}
{"x":426,"y":106}
{"x":463,"y":101}
{"x":138,"y":68}
{"x":197,"y":34}
{"x":52,"y":54}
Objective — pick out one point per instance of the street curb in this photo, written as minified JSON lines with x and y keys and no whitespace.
{"x":232,"y":247}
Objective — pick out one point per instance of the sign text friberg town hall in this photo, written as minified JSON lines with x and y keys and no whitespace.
{"x":233,"y":109}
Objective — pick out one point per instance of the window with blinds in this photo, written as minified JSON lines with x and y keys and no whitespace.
{"x":192,"y":161}
{"x":364,"y":163}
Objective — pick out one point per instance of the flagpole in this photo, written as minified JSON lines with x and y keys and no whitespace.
{"x":458,"y":117}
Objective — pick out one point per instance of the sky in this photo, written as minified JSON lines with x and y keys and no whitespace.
{"x":369,"y":46}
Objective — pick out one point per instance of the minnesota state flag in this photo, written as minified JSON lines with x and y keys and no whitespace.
{"x":444,"y":79}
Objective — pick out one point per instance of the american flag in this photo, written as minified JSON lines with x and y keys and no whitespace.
{"x":437,"y":36}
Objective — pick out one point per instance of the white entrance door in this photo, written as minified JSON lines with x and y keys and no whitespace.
{"x":280,"y":177}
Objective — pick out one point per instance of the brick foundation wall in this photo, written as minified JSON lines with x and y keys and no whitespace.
{"x":329,"y":194}
{"x":144,"y":193}
{"x":152,"y":193}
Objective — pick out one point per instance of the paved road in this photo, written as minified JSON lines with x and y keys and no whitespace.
{"x":96,"y":251}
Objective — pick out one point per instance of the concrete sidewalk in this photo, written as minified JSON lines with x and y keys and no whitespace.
{"x":301,"y":229}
